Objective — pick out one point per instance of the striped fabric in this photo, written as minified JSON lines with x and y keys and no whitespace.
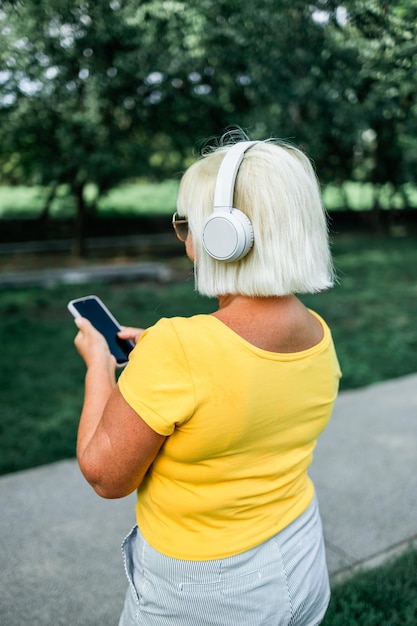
{"x":282,"y":582}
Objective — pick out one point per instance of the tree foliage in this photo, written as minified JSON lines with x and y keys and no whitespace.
{"x":103,"y":91}
{"x":383,"y":89}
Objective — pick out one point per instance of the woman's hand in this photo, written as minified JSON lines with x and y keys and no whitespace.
{"x":130,"y":332}
{"x":92,"y":346}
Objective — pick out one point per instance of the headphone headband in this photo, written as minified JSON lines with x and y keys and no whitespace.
{"x":226,"y":176}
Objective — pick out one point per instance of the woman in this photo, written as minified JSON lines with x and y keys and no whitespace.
{"x":215,"y":418}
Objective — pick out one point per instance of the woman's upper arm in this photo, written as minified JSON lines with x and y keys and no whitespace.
{"x":121,"y":450}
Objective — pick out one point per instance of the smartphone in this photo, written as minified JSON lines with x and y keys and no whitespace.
{"x":98,"y":314}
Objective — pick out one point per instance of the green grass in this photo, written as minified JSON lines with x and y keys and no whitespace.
{"x":385,"y":596}
{"x":21,"y":201}
{"x":360,"y":196}
{"x":41,"y":375}
{"x":128,"y":199}
{"x":141,"y":198}
{"x":372,"y":311}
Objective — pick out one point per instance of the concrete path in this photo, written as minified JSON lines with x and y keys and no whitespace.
{"x":365,"y":471}
{"x":60,"y":543}
{"x":79,"y":275}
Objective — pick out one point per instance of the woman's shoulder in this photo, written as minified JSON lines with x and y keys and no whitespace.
{"x":181,"y":325}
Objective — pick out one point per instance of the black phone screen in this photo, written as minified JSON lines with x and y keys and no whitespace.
{"x":91,"y":309}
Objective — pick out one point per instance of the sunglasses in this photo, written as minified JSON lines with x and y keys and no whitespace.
{"x":180,"y":225}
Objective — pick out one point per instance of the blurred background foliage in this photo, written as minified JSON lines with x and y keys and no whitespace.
{"x":104,"y":92}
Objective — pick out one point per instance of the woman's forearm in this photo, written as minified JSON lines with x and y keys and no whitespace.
{"x":115,"y":447}
{"x":99,"y":384}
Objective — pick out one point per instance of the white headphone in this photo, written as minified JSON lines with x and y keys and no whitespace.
{"x":228,"y":233}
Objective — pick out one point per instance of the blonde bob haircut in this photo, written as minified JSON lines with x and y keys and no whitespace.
{"x":277,"y":189}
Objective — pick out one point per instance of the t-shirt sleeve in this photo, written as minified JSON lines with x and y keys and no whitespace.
{"x":157,"y":381}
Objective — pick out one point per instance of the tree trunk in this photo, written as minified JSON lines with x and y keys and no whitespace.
{"x":80,"y":225}
{"x":44,"y":216}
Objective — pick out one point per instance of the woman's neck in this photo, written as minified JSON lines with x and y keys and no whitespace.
{"x":277,"y":324}
{"x":233,"y":301}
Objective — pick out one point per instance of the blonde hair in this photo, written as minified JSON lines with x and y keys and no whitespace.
{"x":277,"y":189}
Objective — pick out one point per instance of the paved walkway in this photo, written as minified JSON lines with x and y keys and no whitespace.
{"x":60,"y":543}
{"x":80,"y":275}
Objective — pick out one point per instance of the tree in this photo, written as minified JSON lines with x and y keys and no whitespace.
{"x":102,"y":91}
{"x":81,"y":99}
{"x":66,"y":117}
{"x":381,"y":36}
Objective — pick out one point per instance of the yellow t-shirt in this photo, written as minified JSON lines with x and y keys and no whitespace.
{"x":241,"y":423}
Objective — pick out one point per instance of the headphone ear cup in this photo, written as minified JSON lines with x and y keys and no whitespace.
{"x":228,"y":235}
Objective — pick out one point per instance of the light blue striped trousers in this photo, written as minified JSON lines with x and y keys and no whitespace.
{"x":282,"y":582}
